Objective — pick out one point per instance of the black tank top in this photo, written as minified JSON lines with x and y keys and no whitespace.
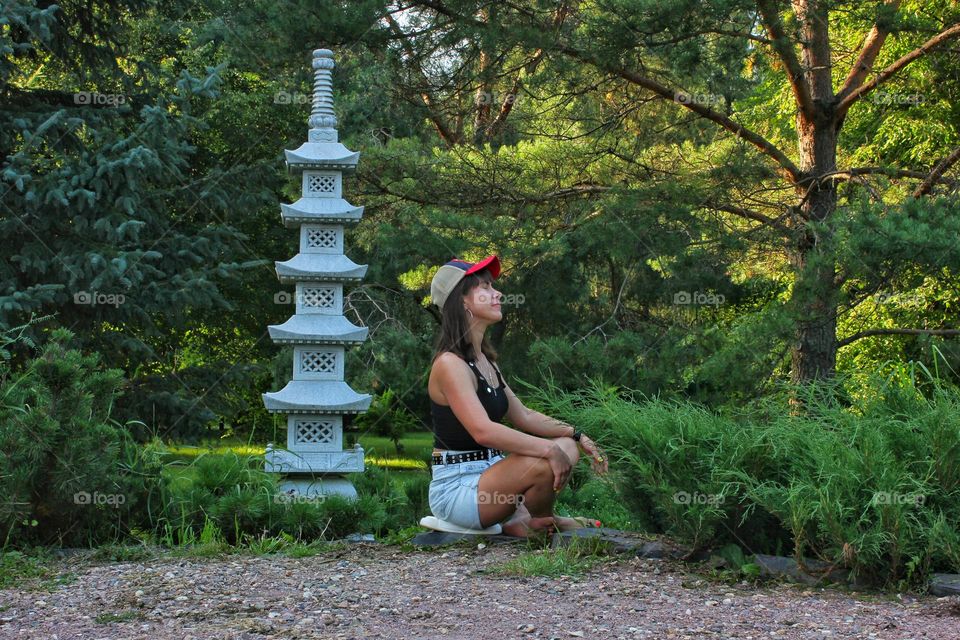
{"x":449,"y":433}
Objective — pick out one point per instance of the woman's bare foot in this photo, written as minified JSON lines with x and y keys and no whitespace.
{"x":522,"y":525}
{"x":569,"y":524}
{"x":524,"y":528}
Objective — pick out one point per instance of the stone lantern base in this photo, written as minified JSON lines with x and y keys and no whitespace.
{"x":313,"y":488}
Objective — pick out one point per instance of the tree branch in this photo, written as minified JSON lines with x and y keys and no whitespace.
{"x":905,"y":332}
{"x":750,"y":215}
{"x":446,"y":134}
{"x":787,"y":168}
{"x":936,"y":173}
{"x":853,"y":174}
{"x":887,"y":73}
{"x":506,"y":105}
{"x":784,"y":48}
{"x":868,"y":55}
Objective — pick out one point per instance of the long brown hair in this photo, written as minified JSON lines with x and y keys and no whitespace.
{"x":455,"y":328}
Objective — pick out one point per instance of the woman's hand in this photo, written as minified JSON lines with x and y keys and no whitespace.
{"x":561,"y":465}
{"x":597,"y":459}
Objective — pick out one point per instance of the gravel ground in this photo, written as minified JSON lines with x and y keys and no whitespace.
{"x":379,"y":591}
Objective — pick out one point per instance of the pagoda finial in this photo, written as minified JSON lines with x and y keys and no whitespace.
{"x":323,"y":122}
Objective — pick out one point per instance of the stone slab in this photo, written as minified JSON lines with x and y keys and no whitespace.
{"x":321,"y":155}
{"x":320,"y":267}
{"x":945,"y":584}
{"x":319,"y":210}
{"x":439,"y":538}
{"x":315,"y":328}
{"x":286,"y":461}
{"x":316,"y":396}
{"x":624,"y":542}
{"x":782,"y":567}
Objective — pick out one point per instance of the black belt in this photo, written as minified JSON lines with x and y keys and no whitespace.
{"x":469,"y":456}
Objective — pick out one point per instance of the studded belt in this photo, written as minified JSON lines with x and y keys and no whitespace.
{"x":469,"y":456}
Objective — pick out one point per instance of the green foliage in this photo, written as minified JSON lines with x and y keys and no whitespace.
{"x":387,"y":417}
{"x":69,"y":474}
{"x":115,"y":221}
{"x":598,"y":499}
{"x":16,"y":568}
{"x":579,"y":555}
{"x":870,"y":483}
{"x":402,"y":496}
{"x":231,"y":498}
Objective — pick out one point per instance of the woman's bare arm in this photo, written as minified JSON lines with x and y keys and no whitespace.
{"x":456,"y":383}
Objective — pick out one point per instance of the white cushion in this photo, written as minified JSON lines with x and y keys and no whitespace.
{"x":431,"y":522}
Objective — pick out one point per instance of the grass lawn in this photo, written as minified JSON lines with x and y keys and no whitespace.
{"x":378,"y":451}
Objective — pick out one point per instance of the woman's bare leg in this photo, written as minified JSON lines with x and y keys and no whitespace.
{"x":521,"y":484}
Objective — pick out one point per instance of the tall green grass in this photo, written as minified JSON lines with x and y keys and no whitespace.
{"x":869,"y":481}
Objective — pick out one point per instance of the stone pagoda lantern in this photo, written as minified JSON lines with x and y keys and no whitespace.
{"x":317,"y":398}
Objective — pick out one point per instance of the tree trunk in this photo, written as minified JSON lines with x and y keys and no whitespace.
{"x":814,"y":297}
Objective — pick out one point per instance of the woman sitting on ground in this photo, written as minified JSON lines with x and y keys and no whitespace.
{"x":474,"y":485}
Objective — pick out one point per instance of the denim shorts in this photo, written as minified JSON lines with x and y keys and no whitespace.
{"x":453,"y":491}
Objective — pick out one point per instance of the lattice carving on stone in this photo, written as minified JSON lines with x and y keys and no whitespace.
{"x":321,"y":238}
{"x":321,"y":184}
{"x":318,"y":361}
{"x":320,"y":298}
{"x":314,"y":431}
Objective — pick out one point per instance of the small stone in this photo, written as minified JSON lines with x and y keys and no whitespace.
{"x":727,"y":601}
{"x":182,"y":598}
{"x":138,"y":593}
{"x":711,"y":603}
{"x":526,"y":628}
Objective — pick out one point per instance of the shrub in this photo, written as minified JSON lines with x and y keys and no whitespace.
{"x":68,"y":473}
{"x":871,"y":484}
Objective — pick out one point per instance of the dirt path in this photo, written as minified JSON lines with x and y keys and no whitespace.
{"x":378,"y":591}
